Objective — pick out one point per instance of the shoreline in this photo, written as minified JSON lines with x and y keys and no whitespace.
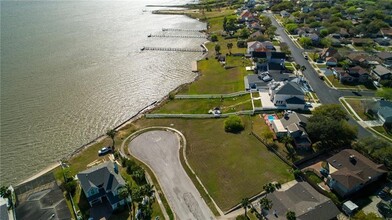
{"x":154,"y":105}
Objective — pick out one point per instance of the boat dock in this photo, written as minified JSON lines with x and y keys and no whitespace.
{"x":173,"y":49}
{"x":177,"y":36}
{"x":179,"y":29}
{"x":194,"y":66}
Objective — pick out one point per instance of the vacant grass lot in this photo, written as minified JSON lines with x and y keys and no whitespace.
{"x":215,"y":79}
{"x":202,"y":106}
{"x":358,"y":107}
{"x":231,"y":166}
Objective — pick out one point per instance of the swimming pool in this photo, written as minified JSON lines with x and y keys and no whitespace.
{"x":271,"y":118}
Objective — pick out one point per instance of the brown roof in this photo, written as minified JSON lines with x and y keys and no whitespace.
{"x":386,"y":31}
{"x":384,"y":55}
{"x":359,"y":70}
{"x":354,"y":168}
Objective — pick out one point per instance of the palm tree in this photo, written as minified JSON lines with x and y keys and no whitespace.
{"x":217,"y":48}
{"x":229,"y":46}
{"x":245,"y":204}
{"x":111,"y":133}
{"x":286,"y":140}
{"x":148,"y":190}
{"x":269,"y":187}
{"x":123,"y":193}
{"x":265,"y":204}
{"x":290,"y":215}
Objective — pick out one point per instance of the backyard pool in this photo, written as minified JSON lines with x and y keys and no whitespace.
{"x":272,"y":117}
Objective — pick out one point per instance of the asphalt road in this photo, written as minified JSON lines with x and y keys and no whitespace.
{"x":160,"y":150}
{"x":325,"y":94}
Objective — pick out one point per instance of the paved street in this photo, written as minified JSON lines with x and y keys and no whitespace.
{"x":160,"y":150}
{"x":325,"y":94}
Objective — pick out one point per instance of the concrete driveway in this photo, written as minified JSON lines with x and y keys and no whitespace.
{"x":160,"y":150}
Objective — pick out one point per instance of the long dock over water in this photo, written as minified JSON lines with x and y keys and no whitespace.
{"x":177,"y":36}
{"x":173,"y":49}
{"x":179,"y":29}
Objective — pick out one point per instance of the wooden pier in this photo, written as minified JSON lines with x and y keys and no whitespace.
{"x":173,"y":49}
{"x":179,"y":29}
{"x":177,"y":36}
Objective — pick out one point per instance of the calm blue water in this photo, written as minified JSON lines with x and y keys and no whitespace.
{"x":70,"y":70}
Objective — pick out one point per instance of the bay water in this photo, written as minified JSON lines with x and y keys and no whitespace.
{"x":71,"y":70}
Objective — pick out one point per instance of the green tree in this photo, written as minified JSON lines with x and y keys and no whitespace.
{"x":266,"y":21}
{"x":291,"y":28}
{"x":231,"y":24}
{"x":290,"y":215}
{"x":324,"y":32}
{"x":217,"y":48}
{"x":385,"y":93}
{"x":271,"y":31}
{"x":214,"y":38}
{"x":329,"y":126}
{"x":265,"y":204}
{"x":244,"y":33}
{"x":234,"y":124}
{"x":306,"y":42}
{"x":124,"y":192}
{"x":245,"y":204}
{"x":111,"y":133}
{"x":70,"y":187}
{"x":229,"y":46}
{"x":326,"y":42}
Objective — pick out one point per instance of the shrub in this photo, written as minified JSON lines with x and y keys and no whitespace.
{"x":234,"y":124}
{"x":70,"y":187}
{"x":241,"y":44}
{"x":214,"y":38}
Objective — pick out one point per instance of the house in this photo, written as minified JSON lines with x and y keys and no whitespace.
{"x":256,"y":26}
{"x":304,"y":200}
{"x":246,"y":16}
{"x":257,"y":46}
{"x":329,"y":52}
{"x":331,"y":61}
{"x":380,"y":73}
{"x":261,"y":80}
{"x":386,"y":32}
{"x":287,"y":94}
{"x":314,"y":37}
{"x":383,"y":109}
{"x":306,"y":9}
{"x":256,"y":34}
{"x":293,"y":125}
{"x":352,"y":75}
{"x":383,"y":41}
{"x":360,"y":74}
{"x":343,"y":32}
{"x":386,"y":58}
{"x":4,"y":209}
{"x":361,"y":41}
{"x":275,"y":60}
{"x":284,"y":14}
{"x":350,"y":171}
{"x":102,"y":183}
{"x":362,"y":59}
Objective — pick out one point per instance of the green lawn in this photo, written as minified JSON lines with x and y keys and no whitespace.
{"x":215,"y":79}
{"x":231,"y":166}
{"x":312,"y":176}
{"x":382,"y":130}
{"x":202,"y":106}
{"x":358,"y":107}
{"x":335,"y":82}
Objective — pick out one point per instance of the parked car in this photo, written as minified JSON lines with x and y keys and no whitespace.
{"x":104,"y":151}
{"x":306,"y":57}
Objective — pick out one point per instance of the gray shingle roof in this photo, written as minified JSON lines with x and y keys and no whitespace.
{"x":102,"y":177}
{"x":290,"y":89}
{"x":305,"y":201}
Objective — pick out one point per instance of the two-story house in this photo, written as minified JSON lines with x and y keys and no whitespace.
{"x":350,"y":171}
{"x":102,"y":183}
{"x":287,"y":94}
{"x":380,"y":73}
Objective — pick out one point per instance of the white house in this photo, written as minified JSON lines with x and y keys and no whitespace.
{"x":287,"y":94}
